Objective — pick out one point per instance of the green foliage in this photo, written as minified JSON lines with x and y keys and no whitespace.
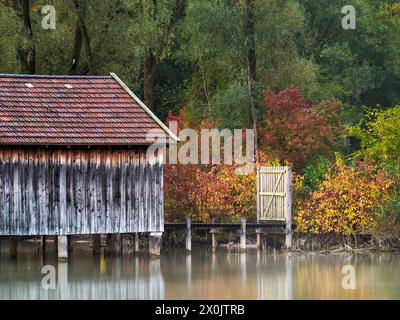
{"x":314,"y":173}
{"x":379,"y":137}
{"x":10,"y":39}
{"x":230,"y":107}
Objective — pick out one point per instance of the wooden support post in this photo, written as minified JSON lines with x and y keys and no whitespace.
{"x":188,"y":235}
{"x":43,"y":244}
{"x":214,"y":243}
{"x":70,"y":247}
{"x":288,"y":207}
{"x":13,"y":242}
{"x":62,"y":248}
{"x":55,"y":244}
{"x":258,"y":234}
{"x":155,"y":243}
{"x":243,"y":235}
{"x":136,"y":246}
{"x":96,"y":243}
{"x":214,"y":232}
{"x":116,"y":243}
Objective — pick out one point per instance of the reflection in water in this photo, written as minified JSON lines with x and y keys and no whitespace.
{"x":200,"y":275}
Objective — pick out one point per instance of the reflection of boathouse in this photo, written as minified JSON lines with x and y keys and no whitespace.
{"x":70,"y":285}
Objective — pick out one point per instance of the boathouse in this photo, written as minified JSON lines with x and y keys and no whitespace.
{"x":73,"y":157}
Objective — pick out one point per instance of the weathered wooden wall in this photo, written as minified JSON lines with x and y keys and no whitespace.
{"x":50,"y":191}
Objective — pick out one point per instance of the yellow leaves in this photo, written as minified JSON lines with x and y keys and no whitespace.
{"x":346,"y":202}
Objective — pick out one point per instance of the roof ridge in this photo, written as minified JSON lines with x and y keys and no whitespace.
{"x":46,"y":76}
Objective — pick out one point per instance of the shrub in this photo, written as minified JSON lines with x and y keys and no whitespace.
{"x":347,"y":202}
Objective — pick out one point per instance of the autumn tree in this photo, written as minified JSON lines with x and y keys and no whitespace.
{"x":296,"y":130}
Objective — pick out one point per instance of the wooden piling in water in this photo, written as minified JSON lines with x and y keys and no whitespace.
{"x":258,"y":234}
{"x":188,"y":235}
{"x":43,"y":244}
{"x":13,"y":243}
{"x":116,"y":243}
{"x":155,"y":243}
{"x":69,"y":242}
{"x":62,"y":248}
{"x":136,"y":245}
{"x":214,"y":243}
{"x":55,"y":244}
{"x":288,"y":208}
{"x":243,"y":235}
{"x":96,"y":243}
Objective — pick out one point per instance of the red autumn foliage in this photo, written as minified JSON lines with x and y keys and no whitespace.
{"x":296,"y":130}
{"x":206,"y":191}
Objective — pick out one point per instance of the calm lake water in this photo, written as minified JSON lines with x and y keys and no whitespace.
{"x":201,"y":275}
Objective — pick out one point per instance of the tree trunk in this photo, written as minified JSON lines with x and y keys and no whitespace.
{"x":27,"y":56}
{"x":84,"y":33}
{"x":251,"y":64}
{"x":250,"y":40}
{"x":76,"y":53}
{"x":150,"y":65}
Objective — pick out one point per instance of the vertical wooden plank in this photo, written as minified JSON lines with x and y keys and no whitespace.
{"x":258,"y":194}
{"x":123,"y":212}
{"x":128,"y":193}
{"x":86,"y":191}
{"x":141,"y":194}
{"x":98,"y":191}
{"x":109,"y":177}
{"x":33,"y":216}
{"x":91,"y":203}
{"x":136,"y":192}
{"x":63,"y":229}
{"x":159,"y":197}
{"x":2,"y":215}
{"x":13,"y":194}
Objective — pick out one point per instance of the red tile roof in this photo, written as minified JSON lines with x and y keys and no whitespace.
{"x":71,"y":110}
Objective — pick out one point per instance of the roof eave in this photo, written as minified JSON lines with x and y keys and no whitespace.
{"x":144,"y":107}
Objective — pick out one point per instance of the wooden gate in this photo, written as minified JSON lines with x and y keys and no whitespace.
{"x":274,"y":194}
